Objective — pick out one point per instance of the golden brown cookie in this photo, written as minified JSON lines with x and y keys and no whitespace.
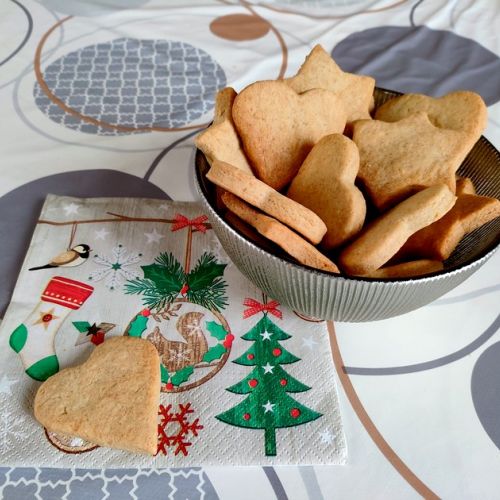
{"x":464,"y":186}
{"x":278,"y":127}
{"x":386,"y":235}
{"x":110,"y":400}
{"x":407,"y":269}
{"x":320,"y":71}
{"x":325,"y":184}
{"x":220,"y":141}
{"x":289,"y":241}
{"x":463,"y":111}
{"x":260,"y":195}
{"x":398,"y":159}
{"x":438,"y":240}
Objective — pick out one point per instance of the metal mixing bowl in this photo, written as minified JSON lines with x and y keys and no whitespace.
{"x":331,"y":296}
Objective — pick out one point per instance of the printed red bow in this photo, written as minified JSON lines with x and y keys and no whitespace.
{"x":181,"y":221}
{"x":255,"y":307}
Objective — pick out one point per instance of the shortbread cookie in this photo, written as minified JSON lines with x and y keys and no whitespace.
{"x":278,"y":127}
{"x":408,"y":269}
{"x":325,"y":184}
{"x":278,"y":233}
{"x":260,"y":195}
{"x":386,"y":235}
{"x":320,"y":71}
{"x":110,"y":400}
{"x":464,"y":186}
{"x":398,"y":159}
{"x":438,"y":240}
{"x":463,"y":111}
{"x":220,"y":141}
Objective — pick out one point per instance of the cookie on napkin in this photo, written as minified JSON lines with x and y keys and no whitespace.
{"x":260,"y":195}
{"x":325,"y":184}
{"x":220,"y":141}
{"x":386,"y":235}
{"x":110,"y":400}
{"x":278,"y":127}
{"x":398,"y":159}
{"x":463,"y":111}
{"x":320,"y":71}
{"x":278,"y":233}
{"x":438,"y":240}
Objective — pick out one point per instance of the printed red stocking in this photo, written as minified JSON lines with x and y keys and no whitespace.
{"x":34,"y":339}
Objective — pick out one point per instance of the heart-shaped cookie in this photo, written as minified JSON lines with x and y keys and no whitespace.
{"x":325,"y":185}
{"x":111,"y":399}
{"x":278,"y":127}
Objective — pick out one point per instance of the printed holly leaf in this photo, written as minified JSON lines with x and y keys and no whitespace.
{"x":214,"y":353}
{"x":216,"y":330}
{"x":164,"y":375}
{"x":81,"y":326}
{"x":138,"y":326}
{"x":205,"y":272}
{"x":181,"y":375}
{"x":162,"y":278}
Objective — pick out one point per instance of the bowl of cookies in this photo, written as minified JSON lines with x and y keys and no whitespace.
{"x":345,"y":201}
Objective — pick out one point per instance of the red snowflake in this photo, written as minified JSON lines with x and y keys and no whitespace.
{"x":176,"y":421}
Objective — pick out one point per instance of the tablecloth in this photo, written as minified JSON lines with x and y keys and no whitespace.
{"x":103,"y":99}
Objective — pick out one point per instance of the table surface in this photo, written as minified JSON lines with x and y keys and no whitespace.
{"x":419,"y":393}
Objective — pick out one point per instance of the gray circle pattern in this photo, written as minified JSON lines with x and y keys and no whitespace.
{"x":132,"y":83}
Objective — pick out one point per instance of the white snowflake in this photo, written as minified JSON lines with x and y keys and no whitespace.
{"x":11,"y":428}
{"x":117,"y":268}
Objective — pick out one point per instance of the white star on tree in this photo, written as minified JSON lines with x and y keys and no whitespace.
{"x":72,"y":208}
{"x":154,"y":236}
{"x":309,"y":342}
{"x":266,"y":335}
{"x":326,"y":436}
{"x":101,"y":234}
{"x":268,"y":406}
{"x":268,"y":368}
{"x":6,"y":384}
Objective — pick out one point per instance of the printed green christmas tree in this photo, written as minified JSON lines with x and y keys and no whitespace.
{"x":268,"y":405}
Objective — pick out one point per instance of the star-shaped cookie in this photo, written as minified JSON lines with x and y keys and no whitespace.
{"x":320,"y":71}
{"x":397,"y":159}
{"x":220,"y":141}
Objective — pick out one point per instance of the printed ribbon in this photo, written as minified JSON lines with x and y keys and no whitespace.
{"x":181,"y":221}
{"x":255,"y":307}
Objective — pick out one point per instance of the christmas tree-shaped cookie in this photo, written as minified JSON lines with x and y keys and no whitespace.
{"x":268,"y":405}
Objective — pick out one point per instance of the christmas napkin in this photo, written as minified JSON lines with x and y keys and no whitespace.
{"x":244,"y":379}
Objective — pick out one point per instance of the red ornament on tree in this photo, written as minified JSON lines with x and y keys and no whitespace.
{"x":145,"y":313}
{"x":277,"y":352}
{"x":252,"y":382}
{"x":169,"y":386}
{"x":250,"y":356}
{"x":295,"y":412}
{"x":283,"y":382}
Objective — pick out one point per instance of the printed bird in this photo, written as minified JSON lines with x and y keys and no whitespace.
{"x":70,"y":258}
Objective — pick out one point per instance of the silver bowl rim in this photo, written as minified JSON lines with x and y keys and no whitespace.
{"x":435,"y":276}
